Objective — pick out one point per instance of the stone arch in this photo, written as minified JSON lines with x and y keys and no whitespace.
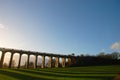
{"x":2,"y":56}
{"x":66,"y":62}
{"x":23,"y":63}
{"x":43,"y":61}
{"x":53,"y":62}
{"x":57,"y":61}
{"x":60,"y":61}
{"x":46,"y":61}
{"x":6,"y":60}
{"x":15,"y":60}
{"x":32,"y":61}
{"x":39,"y":61}
{"x":63,"y":61}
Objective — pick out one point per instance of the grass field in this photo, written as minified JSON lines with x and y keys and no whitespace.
{"x":74,"y":73}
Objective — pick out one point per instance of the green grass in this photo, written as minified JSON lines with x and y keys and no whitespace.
{"x":73,"y":73}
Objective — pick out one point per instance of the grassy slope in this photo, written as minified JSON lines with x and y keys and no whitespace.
{"x":76,"y":73}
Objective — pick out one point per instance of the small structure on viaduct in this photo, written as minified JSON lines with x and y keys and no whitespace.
{"x":36,"y":54}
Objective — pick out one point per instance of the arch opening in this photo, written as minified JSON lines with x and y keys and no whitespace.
{"x":48,"y":61}
{"x":66,"y":62}
{"x":32,"y":61}
{"x":53,"y":62}
{"x":60,"y":62}
{"x":39,"y":61}
{"x":6,"y":60}
{"x":15,"y":60}
{"x":23,"y":63}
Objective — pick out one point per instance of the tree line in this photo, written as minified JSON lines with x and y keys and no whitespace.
{"x":94,"y":60}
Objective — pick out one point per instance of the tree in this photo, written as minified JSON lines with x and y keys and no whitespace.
{"x":31,"y":64}
{"x":101,"y":54}
{"x":73,"y":54}
{"x":48,"y":63}
{"x":115,"y":55}
{"x":13,"y":63}
{"x":5,"y":65}
{"x":24,"y":65}
{"x":53,"y":62}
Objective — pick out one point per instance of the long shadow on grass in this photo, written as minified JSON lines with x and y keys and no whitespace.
{"x":20,"y":76}
{"x":78,"y":72}
{"x":65,"y":76}
{"x":70,"y":72}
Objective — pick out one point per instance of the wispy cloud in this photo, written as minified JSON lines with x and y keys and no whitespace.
{"x":115,"y":46}
{"x":2,"y":26}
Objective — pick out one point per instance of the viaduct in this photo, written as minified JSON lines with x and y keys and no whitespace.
{"x":36,"y":54}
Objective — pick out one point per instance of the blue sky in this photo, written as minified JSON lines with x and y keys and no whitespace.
{"x":60,"y":26}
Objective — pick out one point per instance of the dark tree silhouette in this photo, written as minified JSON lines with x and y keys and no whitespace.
{"x":100,"y":59}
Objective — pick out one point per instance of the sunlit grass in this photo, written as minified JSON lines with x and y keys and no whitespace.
{"x":72,"y":73}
